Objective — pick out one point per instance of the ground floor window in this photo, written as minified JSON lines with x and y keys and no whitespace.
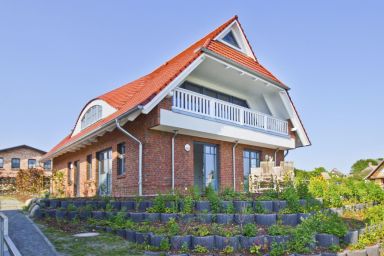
{"x":48,"y":165}
{"x":31,"y":163}
{"x":1,"y":162}
{"x":69,"y":173}
{"x":15,"y":163}
{"x":121,"y":159}
{"x":205,"y":162}
{"x":89,"y":167}
{"x":251,"y":159}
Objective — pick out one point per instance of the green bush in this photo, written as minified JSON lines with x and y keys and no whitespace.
{"x":375,"y":214}
{"x":250,"y":230}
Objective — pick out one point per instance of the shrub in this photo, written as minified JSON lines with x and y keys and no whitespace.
{"x":250,"y":230}
{"x":188,"y":204}
{"x":158,"y":204}
{"x":375,"y":214}
{"x":255,"y":250}
{"x":173,"y":227}
{"x":165,"y":245}
{"x":213,"y":198}
{"x":200,"y":249}
{"x":71,"y":208}
{"x":31,"y":181}
{"x":228,"y":250}
{"x":278,"y":230}
{"x":277,"y":249}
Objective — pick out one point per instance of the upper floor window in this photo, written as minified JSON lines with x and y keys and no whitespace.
{"x":15,"y":163}
{"x":48,"y":165}
{"x":89,"y":167}
{"x":121,"y":159}
{"x":1,"y":162}
{"x":31,"y":163}
{"x":91,"y":116}
{"x":214,"y":94}
{"x":230,"y":38}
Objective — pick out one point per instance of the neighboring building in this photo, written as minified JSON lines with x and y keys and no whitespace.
{"x":336,"y":172}
{"x":206,"y":116}
{"x":20,"y":157}
{"x":377,"y":174}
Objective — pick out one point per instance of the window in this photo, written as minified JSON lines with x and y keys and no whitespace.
{"x":1,"y":162}
{"x":91,"y":116}
{"x":214,"y":94}
{"x":31,"y":163}
{"x":69,"y":173}
{"x":251,"y":159}
{"x":48,"y":165}
{"x":89,"y":167}
{"x":15,"y":163}
{"x":230,"y":38}
{"x":121,"y":159}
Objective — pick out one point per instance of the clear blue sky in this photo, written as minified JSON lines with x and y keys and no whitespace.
{"x":57,"y":55}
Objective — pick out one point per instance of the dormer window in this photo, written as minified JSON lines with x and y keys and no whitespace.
{"x":92,"y":115}
{"x":231,"y":39}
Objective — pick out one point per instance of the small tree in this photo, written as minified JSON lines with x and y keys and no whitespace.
{"x":58,"y":186}
{"x":30,"y":181}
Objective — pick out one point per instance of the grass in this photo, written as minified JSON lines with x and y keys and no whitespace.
{"x":104,"y":244}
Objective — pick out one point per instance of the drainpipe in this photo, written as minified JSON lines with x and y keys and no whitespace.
{"x":140,"y":154}
{"x":173,"y":160}
{"x":285,"y":155}
{"x":234,"y":164}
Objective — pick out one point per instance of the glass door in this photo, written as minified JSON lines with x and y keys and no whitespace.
{"x":210,"y":166}
{"x":76,"y":184}
{"x":105,"y":172}
{"x":251,"y":159}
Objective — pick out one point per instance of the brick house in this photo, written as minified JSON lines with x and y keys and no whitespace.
{"x":377,"y":174}
{"x":20,"y":157}
{"x":206,"y":116}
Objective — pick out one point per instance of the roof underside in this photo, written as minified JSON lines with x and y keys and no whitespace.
{"x":145,"y":88}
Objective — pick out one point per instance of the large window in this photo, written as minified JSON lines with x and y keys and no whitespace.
{"x":91,"y":116}
{"x":89,"y":167}
{"x":251,"y":159}
{"x":15,"y":163}
{"x":48,"y":165}
{"x":214,"y":94}
{"x":1,"y":162}
{"x":121,"y":159}
{"x":31,"y":163}
{"x":69,"y":173}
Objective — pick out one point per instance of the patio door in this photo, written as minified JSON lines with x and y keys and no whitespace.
{"x":205,"y":166}
{"x":76,"y":184}
{"x":105,"y":172}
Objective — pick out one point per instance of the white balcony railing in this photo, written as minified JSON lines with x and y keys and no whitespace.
{"x":203,"y":105}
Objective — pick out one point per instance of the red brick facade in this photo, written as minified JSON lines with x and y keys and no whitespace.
{"x":156,"y":159}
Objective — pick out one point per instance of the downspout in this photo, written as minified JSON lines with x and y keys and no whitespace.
{"x":140,"y":154}
{"x":173,"y":160}
{"x":234,"y":164}
{"x":285,"y":155}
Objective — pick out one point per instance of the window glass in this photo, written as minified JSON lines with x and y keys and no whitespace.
{"x":48,"y":165}
{"x":121,"y":159}
{"x":31,"y":163}
{"x":230,"y":38}
{"x":15,"y":163}
{"x":89,"y":167}
{"x":69,"y":173}
{"x":92,"y":115}
{"x":251,"y":159}
{"x":1,"y":162}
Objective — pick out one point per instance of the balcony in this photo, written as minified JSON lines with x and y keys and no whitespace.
{"x":207,"y":107}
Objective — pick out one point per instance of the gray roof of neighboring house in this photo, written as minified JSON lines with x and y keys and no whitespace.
{"x":23,"y":146}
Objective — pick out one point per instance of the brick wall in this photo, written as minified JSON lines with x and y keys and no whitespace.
{"x":23,"y":153}
{"x":157,"y":166}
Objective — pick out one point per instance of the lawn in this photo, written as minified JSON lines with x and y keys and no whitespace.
{"x":104,"y":244}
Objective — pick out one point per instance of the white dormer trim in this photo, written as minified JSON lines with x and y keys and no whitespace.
{"x":239,"y":36}
{"x":106,"y":111}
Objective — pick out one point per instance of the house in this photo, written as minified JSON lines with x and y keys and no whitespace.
{"x":205,"y":117}
{"x":20,"y":157}
{"x":377,"y":174}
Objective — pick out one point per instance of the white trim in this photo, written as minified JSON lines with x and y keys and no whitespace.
{"x":172,"y":85}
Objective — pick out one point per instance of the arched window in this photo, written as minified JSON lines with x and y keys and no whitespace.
{"x":91,"y":116}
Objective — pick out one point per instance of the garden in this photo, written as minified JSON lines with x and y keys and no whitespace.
{"x":311,"y":216}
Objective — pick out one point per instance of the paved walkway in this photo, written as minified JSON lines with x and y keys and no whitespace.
{"x":26,"y":236}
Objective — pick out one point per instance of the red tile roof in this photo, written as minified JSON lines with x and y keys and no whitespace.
{"x":143,"y":89}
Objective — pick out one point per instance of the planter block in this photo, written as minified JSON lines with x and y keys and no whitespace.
{"x":338,"y":211}
{"x":206,"y":241}
{"x":155,"y":240}
{"x":130,"y":235}
{"x":101,"y":204}
{"x":266,"y":219}
{"x":116,"y":205}
{"x":303,"y":202}
{"x":127,"y":205}
{"x":84,"y":215}
{"x":79,"y":203}
{"x":181,"y":206}
{"x":178,"y":241}
{"x":108,"y":229}
{"x":136,"y":216}
{"x":266,"y":205}
{"x":224,"y":205}
{"x":244,"y":218}
{"x":277,"y":239}
{"x":221,"y":242}
{"x":92,"y":203}
{"x":204,"y":218}
{"x":72,"y":215}
{"x":165,"y":217}
{"x":279,"y":205}
{"x":99,"y":215}
{"x":203,"y":206}
{"x":51,"y":213}
{"x":241,"y":206}
{"x":65,"y":204}
{"x":247,"y":242}
{"x":357,"y":253}
{"x":144,"y":205}
{"x":54,"y":203}
{"x":351,"y":237}
{"x":109,"y":215}
{"x":187,"y":218}
{"x":224,"y":218}
{"x":142,"y":238}
{"x":60,"y":214}
{"x":327,"y":240}
{"x":373,"y":250}
{"x":289,"y":219}
{"x":152,"y":217}
{"x":359,"y":206}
